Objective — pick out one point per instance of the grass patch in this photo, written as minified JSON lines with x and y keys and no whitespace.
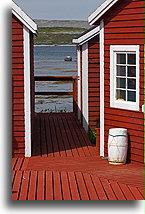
{"x":92,"y":136}
{"x":47,"y":35}
{"x":59,"y":29}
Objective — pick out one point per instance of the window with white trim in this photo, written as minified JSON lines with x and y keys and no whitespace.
{"x":124,"y":77}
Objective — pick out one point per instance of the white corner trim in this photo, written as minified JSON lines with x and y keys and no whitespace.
{"x":102,"y":88}
{"x":85,"y":85}
{"x":143,"y":108}
{"x":116,"y":103}
{"x":86,"y":37}
{"x":100,"y":11}
{"x":27,"y":92}
{"x":79,"y":81}
{"x":24,"y":18}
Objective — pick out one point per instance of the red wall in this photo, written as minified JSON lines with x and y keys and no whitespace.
{"x":94,"y":82}
{"x":18,"y":125}
{"x":124,"y":26}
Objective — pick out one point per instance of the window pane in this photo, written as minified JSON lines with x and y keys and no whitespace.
{"x":121,"y":70}
{"x":131,"y":84}
{"x":131,"y":59}
{"x":131,"y":96}
{"x":131,"y":71}
{"x":121,"y":95}
{"x":121,"y":83}
{"x":121,"y":58}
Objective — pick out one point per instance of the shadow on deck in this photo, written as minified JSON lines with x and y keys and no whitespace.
{"x":65,"y":166}
{"x":60,"y":135}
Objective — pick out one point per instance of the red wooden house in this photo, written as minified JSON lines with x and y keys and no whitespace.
{"x":23,"y":30}
{"x":111,"y":71}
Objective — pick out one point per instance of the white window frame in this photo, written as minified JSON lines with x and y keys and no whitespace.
{"x":118,"y":103}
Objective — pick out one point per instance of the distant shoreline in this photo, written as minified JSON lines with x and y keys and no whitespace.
{"x":51,"y":45}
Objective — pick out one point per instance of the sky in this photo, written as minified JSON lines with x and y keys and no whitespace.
{"x":59,"y":9}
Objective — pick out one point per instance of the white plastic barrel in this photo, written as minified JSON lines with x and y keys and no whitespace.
{"x":117,"y":146}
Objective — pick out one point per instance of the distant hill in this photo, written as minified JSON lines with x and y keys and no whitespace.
{"x":57,"y":32}
{"x":62,"y":23}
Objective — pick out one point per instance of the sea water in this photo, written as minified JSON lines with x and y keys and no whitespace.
{"x":49,"y":61}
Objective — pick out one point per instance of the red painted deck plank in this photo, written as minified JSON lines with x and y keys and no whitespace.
{"x":73,"y":186}
{"x":17,"y":185}
{"x":49,"y":185}
{"x":117,"y":190}
{"x":136,"y":193}
{"x":19,"y":164}
{"x":81,"y":186}
{"x":126,"y":191}
{"x":75,"y":138}
{"x":141,"y":190}
{"x":40,"y":185}
{"x":90,"y":187}
{"x":14,"y":161}
{"x":25,"y":164}
{"x":54,"y":139}
{"x":24,"y":186}
{"x":43,"y":138}
{"x":49,"y":138}
{"x":13,"y":177}
{"x":107,"y":187}
{"x":57,"y":186}
{"x":59,"y":138}
{"x":83,"y":144}
{"x":85,"y":138}
{"x":70,"y":139}
{"x":65,"y":137}
{"x":32,"y":186}
{"x":65,"y":186}
{"x":99,"y":189}
{"x":36,"y":138}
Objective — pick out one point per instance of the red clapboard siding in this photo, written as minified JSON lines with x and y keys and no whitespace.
{"x":124,"y":25}
{"x":94,"y":82}
{"x":18,"y":130}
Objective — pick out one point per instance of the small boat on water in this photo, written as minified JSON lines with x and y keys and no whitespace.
{"x":68,"y":58}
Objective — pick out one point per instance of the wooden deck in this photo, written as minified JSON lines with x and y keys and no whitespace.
{"x":65,"y":166}
{"x":60,"y":135}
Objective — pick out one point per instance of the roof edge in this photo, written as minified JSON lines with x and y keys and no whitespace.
{"x":100,"y":11}
{"x":24,"y":18}
{"x":86,"y":37}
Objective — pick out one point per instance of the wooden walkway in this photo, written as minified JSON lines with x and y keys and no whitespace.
{"x":65,"y":166}
{"x":60,"y":135}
